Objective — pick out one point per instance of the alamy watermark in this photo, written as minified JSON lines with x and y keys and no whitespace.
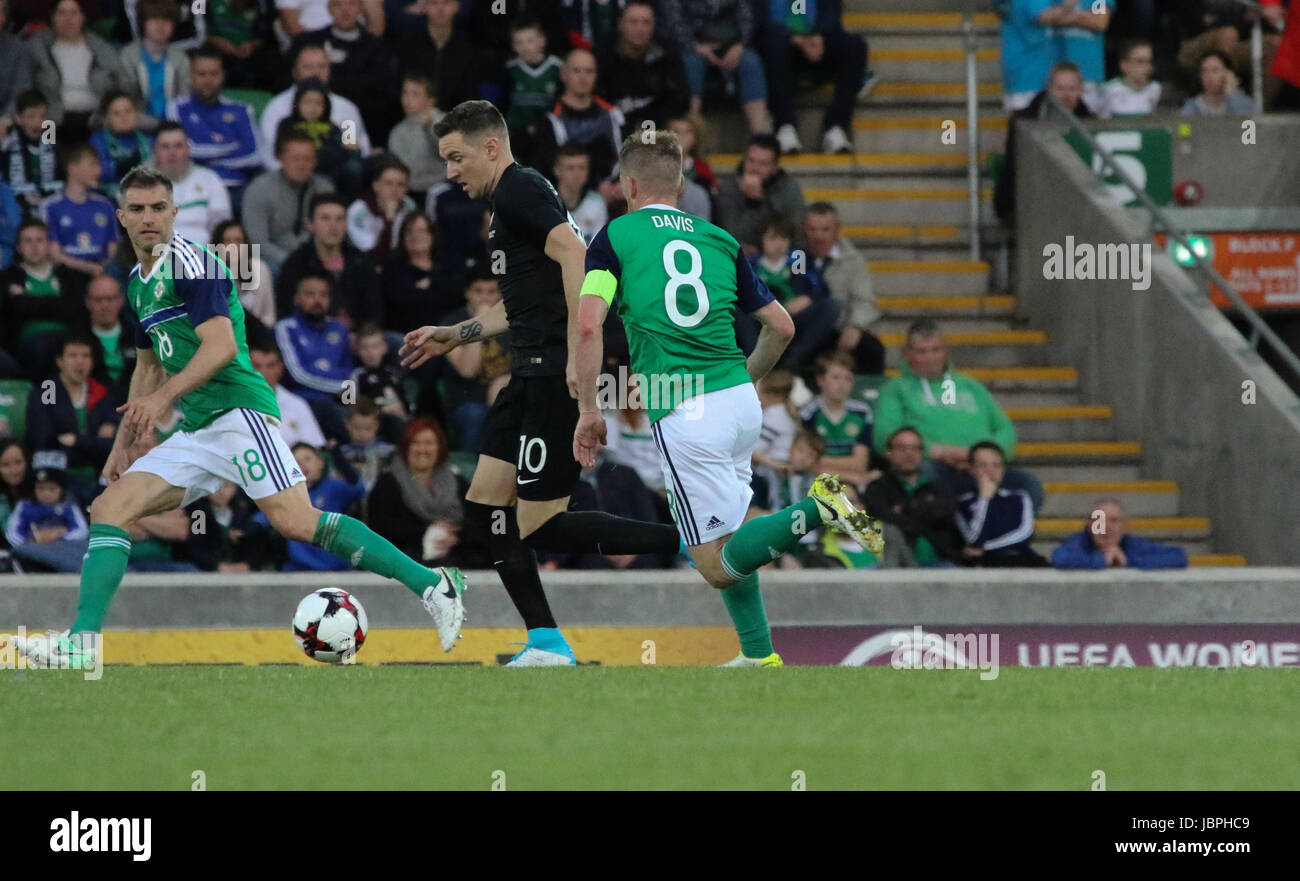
{"x":1111,"y":261}
{"x":244,"y":262}
{"x":918,"y":650}
{"x":84,"y":644}
{"x":652,"y":391}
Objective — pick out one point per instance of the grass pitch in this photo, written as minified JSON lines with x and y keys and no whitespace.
{"x":629,"y":728}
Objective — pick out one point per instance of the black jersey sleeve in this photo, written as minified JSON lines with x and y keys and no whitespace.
{"x":751,"y":293}
{"x":601,"y":255}
{"x":531,"y":208}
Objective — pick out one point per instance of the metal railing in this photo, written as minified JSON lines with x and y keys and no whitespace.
{"x":1258,"y":328}
{"x":972,"y":127}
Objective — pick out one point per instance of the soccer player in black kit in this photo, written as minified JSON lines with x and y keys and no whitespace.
{"x":526,"y":451}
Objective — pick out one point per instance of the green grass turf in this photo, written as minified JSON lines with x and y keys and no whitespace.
{"x":428,"y":727}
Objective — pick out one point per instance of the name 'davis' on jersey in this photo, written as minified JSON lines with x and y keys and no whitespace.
{"x":679,"y":222}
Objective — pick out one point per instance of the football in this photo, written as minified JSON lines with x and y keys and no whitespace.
{"x":330,"y":625}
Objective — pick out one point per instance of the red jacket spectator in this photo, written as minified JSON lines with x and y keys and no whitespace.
{"x":1287,"y":63}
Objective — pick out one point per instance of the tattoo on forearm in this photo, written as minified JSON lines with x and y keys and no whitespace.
{"x":470,"y":332}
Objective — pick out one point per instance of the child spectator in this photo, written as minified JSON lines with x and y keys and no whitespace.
{"x":82,"y":221}
{"x":336,"y":158}
{"x":783,"y":269}
{"x":48,"y":529}
{"x":155,"y":70}
{"x":375,"y":219}
{"x":701,"y":186}
{"x":120,"y":143}
{"x":365,"y":450}
{"x":476,"y":368}
{"x":1105,"y":542}
{"x":30,"y":161}
{"x":806,"y":450}
{"x":1134,"y":92}
{"x":997,"y":523}
{"x":377,"y":382}
{"x":572,"y":169}
{"x":41,"y":301}
{"x":772,"y":452}
{"x":412,"y":140}
{"x":327,"y":494}
{"x":297,"y":422}
{"x":844,"y":422}
{"x":534,"y":80}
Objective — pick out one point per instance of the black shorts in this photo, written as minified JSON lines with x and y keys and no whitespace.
{"x":531,"y":426}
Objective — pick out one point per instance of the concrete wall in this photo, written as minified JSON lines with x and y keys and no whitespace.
{"x":905,"y":598}
{"x":1169,"y":362}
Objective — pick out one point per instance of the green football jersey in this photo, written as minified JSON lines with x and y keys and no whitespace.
{"x":852,"y":428}
{"x":187,"y":286}
{"x":678,"y":281}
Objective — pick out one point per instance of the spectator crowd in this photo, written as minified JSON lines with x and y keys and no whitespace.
{"x":298,"y":135}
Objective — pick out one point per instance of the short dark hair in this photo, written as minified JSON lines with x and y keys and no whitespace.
{"x":77,"y":151}
{"x":1215,"y":53}
{"x":266,"y":345}
{"x":473,"y":118}
{"x":207,"y":50}
{"x":1127,"y":46}
{"x":315,"y":275}
{"x":526,"y":22}
{"x":985,"y":445}
{"x":387,"y":162}
{"x":835,"y":359}
{"x":219,"y":231}
{"x":422,"y":80}
{"x":164,"y":9}
{"x":902,"y":429}
{"x":169,"y":125}
{"x":824,"y":209}
{"x":29,"y":99}
{"x":573,"y":148}
{"x":33,"y":222}
{"x":145,"y":176}
{"x":75,"y":338}
{"x":110,"y":97}
{"x":288,"y":136}
{"x":1064,"y":67}
{"x":812,"y":439}
{"x":780,"y":224}
{"x":369,"y":329}
{"x":482,"y":272}
{"x":324,"y":199}
{"x":767,"y":142}
{"x":363,"y":407}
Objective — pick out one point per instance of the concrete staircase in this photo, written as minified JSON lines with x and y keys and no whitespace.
{"x":902,"y":198}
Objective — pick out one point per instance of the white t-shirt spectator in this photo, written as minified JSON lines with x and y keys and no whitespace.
{"x":312,"y":14}
{"x":591,"y":215}
{"x":635,"y":448}
{"x":297,"y":422}
{"x":342,"y":113}
{"x":1117,"y":99}
{"x":777,"y":434}
{"x":203,"y":201}
{"x":74,"y":61}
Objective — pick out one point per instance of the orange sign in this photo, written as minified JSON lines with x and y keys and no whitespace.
{"x":1263,"y":267}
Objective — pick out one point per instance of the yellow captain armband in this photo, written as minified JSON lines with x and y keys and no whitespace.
{"x":600,"y":283}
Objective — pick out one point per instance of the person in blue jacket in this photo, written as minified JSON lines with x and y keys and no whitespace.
{"x":1104,"y":543}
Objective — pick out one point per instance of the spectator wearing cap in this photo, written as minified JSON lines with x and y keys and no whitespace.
{"x":155,"y":71}
{"x":48,"y":529}
{"x":279,"y":205}
{"x":73,"y":413}
{"x":997,"y":523}
{"x":759,"y":188}
{"x":74,"y":69}
{"x":719,"y":35}
{"x":1105,"y":542}
{"x":836,"y":269}
{"x":580,"y":117}
{"x":951,"y":410}
{"x":917,"y":510}
{"x":638,"y":75}
{"x":810,"y":37}
{"x":328,"y":252}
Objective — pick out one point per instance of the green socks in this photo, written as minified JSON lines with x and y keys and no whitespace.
{"x":745,"y":606}
{"x":763,"y":539}
{"x":353,"y":540}
{"x":101,"y":572}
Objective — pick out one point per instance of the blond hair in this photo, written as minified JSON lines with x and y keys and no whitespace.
{"x":654,"y":158}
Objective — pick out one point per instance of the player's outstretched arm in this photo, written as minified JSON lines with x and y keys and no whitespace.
{"x":432,"y":340}
{"x":775,"y":335}
{"x":217,"y":348}
{"x":147,"y":377}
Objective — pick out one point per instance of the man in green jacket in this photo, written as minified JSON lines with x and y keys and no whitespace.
{"x":951,"y":410}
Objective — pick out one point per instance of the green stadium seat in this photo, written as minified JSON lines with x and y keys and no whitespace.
{"x":13,"y":408}
{"x":866,"y":386}
{"x":255,"y":98}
